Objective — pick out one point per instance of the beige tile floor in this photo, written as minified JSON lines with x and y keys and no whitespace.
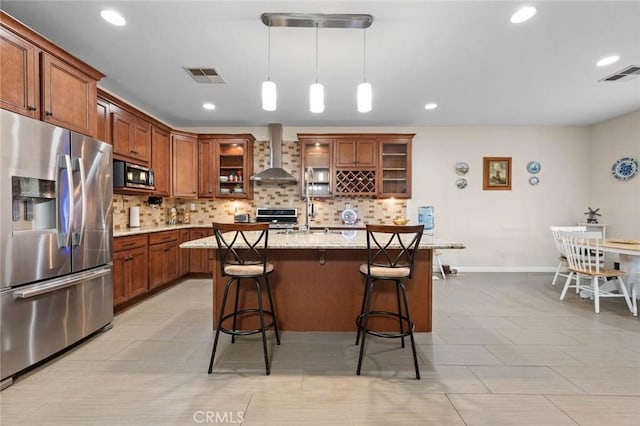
{"x":504,"y":350}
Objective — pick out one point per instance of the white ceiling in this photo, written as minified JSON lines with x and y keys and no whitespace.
{"x":466,"y":56}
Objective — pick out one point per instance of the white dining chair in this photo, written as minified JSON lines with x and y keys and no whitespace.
{"x":584,"y":257}
{"x":562,"y":259}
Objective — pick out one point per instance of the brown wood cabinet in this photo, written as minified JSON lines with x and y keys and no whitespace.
{"x":130,"y":135}
{"x":367,"y":164}
{"x":19,"y":79}
{"x":161,"y":161}
{"x":42,"y":81}
{"x":185,"y":235}
{"x":163,"y":258}
{"x":394,"y":177}
{"x":317,"y":153}
{"x":201,"y":260}
{"x":356,"y":153}
{"x":68,"y":96}
{"x":184,"y":153}
{"x":234,"y":161}
{"x":206,"y":167}
{"x":103,"y":132}
{"x":130,"y":268}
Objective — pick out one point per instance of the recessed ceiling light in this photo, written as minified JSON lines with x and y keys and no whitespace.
{"x":523,"y":14}
{"x":607,"y":60}
{"x":208,"y":106}
{"x":431,"y":105}
{"x":113,"y":17}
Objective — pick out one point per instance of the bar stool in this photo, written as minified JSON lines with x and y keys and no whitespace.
{"x":390,"y":257}
{"x":242,"y":254}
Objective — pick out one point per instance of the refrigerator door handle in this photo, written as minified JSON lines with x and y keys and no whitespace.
{"x":65,"y":282}
{"x":64,"y":163}
{"x":79,"y":166}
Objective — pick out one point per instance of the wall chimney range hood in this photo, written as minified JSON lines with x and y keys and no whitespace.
{"x":275,"y":173}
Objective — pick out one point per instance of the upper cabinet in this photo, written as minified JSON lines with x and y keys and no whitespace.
{"x":184,"y":150}
{"x":103,"y":132}
{"x":68,"y":96}
{"x":225,"y":163}
{"x":131,"y":136}
{"x":356,"y":153}
{"x":317,"y":154}
{"x":395,"y":167}
{"x":19,"y":80}
{"x":42,"y":81}
{"x":366,"y":164}
{"x":355,"y":163}
{"x":161,"y":161}
{"x":206,"y":167}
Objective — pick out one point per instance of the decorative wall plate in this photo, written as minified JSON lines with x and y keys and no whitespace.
{"x":625,"y":168}
{"x":349,"y":216}
{"x":461,"y":183}
{"x":533,"y":180}
{"x":533,"y":167}
{"x":462,"y":168}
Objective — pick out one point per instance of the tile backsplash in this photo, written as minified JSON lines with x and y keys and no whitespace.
{"x":205,"y":211}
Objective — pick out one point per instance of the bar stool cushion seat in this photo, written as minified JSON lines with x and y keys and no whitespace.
{"x":385,"y":272}
{"x":248,"y":270}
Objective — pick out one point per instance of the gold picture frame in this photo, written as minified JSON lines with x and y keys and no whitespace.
{"x":496,"y":173}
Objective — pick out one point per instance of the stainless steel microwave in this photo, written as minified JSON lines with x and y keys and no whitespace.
{"x":128,"y":175}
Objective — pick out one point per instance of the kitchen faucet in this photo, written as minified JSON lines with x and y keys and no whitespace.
{"x":309,"y":182}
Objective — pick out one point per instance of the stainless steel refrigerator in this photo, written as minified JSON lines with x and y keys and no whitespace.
{"x":55,"y":240}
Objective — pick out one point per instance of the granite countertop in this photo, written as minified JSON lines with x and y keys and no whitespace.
{"x":159,"y":228}
{"x":322,"y":240}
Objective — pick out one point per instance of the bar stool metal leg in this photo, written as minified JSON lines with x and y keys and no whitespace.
{"x":275,"y":321}
{"x":219,"y":325}
{"x":235,"y":311}
{"x":365,"y":324}
{"x":400,"y":312}
{"x":410,"y":322}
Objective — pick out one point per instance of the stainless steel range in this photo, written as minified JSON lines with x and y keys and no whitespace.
{"x":278,"y":218}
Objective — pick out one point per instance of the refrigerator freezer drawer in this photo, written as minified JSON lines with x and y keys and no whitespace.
{"x":39,"y":320}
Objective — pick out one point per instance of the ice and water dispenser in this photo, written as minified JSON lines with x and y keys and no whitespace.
{"x":33,"y":203}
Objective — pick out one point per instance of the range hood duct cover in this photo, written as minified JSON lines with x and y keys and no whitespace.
{"x":275,"y":173}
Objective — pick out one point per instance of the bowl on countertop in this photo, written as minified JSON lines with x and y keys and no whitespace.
{"x":400,"y":221}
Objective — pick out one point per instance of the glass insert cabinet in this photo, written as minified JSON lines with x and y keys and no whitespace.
{"x":367,"y":164}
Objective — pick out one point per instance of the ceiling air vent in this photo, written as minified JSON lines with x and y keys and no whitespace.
{"x":204,"y":75}
{"x":627,"y":73}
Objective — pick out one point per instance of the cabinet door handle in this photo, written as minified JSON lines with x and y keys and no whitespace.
{"x":48,"y":113}
{"x":31,"y":108}
{"x":166,"y":250}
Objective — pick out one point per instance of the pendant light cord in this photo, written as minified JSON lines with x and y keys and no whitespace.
{"x":269,"y":55}
{"x":316,"y":52}
{"x":364,"y":55}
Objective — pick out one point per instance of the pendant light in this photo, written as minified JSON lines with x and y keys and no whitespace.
{"x":364,"y":88}
{"x":316,"y":91}
{"x":269,"y":96}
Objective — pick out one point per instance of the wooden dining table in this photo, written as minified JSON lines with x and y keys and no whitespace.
{"x":628,"y":252}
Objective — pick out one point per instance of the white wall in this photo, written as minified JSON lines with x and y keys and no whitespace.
{"x":503,"y":230}
{"x":619,"y":201}
{"x":509,"y":230}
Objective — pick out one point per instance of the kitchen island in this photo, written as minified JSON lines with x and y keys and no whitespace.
{"x":317,"y":285}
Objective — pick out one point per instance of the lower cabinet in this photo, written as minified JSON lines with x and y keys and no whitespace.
{"x":185,"y":235}
{"x":130,"y":266}
{"x":201,"y":260}
{"x":163,"y":258}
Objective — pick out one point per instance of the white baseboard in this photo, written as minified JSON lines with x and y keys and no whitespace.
{"x":551,"y":269}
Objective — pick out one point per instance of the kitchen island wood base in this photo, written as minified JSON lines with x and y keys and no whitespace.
{"x":322,"y":289}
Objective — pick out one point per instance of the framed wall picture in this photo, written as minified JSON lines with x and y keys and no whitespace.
{"x":496,"y":173}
